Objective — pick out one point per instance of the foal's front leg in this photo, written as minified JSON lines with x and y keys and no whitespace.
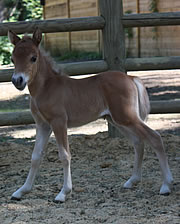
{"x":43,"y":132}
{"x":60,"y":131}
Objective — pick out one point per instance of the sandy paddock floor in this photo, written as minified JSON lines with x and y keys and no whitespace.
{"x":100,"y":166}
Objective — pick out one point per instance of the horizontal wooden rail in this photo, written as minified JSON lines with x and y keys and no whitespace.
{"x":83,"y":68}
{"x":25,"y":117}
{"x":165,"y":106}
{"x":91,"y":67}
{"x":5,"y":75}
{"x":54,"y":25}
{"x":151,"y":19}
{"x":90,"y":23}
{"x":16,"y":118}
{"x":72,"y":69}
{"x":152,"y":63}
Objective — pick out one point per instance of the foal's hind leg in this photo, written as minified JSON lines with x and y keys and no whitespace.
{"x":154,"y":139}
{"x":137,"y":169}
{"x":43,"y":132}
{"x":139,"y":152}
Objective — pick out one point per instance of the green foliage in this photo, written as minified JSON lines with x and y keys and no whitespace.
{"x":5,"y":49}
{"x":129,"y":30}
{"x":153,"y":6}
{"x":78,"y":56}
{"x":29,"y":10}
{"x":23,"y":10}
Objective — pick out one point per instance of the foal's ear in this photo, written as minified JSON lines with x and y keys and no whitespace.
{"x":37,"y":36}
{"x":14,"y":39}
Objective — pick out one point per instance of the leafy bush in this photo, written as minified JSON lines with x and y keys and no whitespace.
{"x":78,"y":56}
{"x":22,"y":10}
{"x":5,"y":49}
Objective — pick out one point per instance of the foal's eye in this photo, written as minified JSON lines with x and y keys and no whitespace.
{"x":33,"y":59}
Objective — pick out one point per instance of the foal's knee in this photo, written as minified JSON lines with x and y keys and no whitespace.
{"x":35,"y":159}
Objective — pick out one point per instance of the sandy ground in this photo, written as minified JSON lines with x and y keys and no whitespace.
{"x":100,"y":166}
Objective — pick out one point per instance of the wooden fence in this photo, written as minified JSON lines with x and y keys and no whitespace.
{"x":162,"y":41}
{"x":112,"y":23}
{"x":57,"y":43}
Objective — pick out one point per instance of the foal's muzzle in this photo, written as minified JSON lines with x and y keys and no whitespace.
{"x":19,"y":81}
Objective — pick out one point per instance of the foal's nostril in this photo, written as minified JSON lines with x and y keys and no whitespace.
{"x":19,"y":81}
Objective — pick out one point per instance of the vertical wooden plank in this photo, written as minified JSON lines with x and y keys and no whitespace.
{"x":113,"y":34}
{"x":138,"y":39}
{"x":113,"y":40}
{"x":69,"y":16}
{"x":98,"y":31}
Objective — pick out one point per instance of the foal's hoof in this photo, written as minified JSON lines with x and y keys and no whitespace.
{"x":58,"y":202}
{"x":166,"y":194}
{"x":60,"y":198}
{"x":165,"y":190}
{"x":128,"y":185}
{"x":15,"y":199}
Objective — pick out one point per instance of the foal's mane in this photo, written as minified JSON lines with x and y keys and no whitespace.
{"x":55,"y":67}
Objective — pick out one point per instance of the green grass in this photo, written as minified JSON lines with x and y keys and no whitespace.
{"x":7,"y":110}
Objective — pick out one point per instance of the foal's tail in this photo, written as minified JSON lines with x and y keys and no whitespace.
{"x":143,"y":99}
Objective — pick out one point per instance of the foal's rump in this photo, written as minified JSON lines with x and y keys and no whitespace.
{"x":126,"y":97}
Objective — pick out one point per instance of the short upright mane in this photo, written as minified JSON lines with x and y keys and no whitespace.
{"x":56,"y":68}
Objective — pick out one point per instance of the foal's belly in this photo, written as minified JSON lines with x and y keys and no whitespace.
{"x":79,"y":119}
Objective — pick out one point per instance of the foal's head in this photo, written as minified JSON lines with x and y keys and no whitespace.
{"x":25,"y":57}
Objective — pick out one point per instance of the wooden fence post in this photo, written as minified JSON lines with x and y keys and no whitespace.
{"x":113,"y":40}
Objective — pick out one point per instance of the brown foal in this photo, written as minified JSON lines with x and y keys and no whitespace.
{"x":59,"y":102}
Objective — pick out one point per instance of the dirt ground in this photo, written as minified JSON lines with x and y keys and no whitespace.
{"x":100,"y":166}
